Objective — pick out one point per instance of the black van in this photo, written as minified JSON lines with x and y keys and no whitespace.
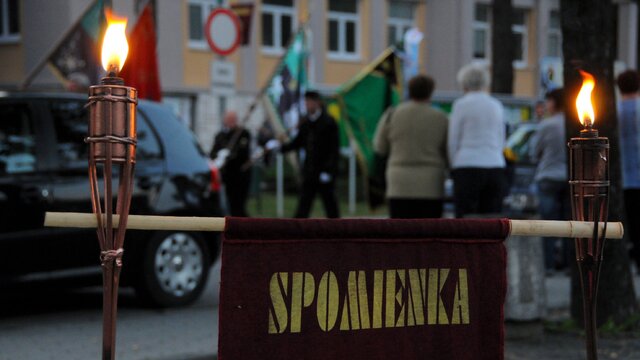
{"x":43,"y":167}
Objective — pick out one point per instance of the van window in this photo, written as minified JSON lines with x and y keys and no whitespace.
{"x":17,"y":139}
{"x":71,"y":121}
{"x":148,"y":144}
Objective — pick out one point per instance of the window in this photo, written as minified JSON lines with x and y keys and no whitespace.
{"x":277,"y":24}
{"x":554,"y":35}
{"x":17,"y":140}
{"x":71,"y":120}
{"x":9,"y":21}
{"x":482,"y":34}
{"x":400,"y":20}
{"x":519,"y":28}
{"x":199,"y":11}
{"x":343,"y":27}
{"x":481,"y":30}
{"x":148,"y":146}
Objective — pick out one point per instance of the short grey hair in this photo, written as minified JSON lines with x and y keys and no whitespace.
{"x":473,"y":77}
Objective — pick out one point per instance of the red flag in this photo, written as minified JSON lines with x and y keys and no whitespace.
{"x":141,"y":68}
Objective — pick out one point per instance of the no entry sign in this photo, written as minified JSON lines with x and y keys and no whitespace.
{"x":223,"y":31}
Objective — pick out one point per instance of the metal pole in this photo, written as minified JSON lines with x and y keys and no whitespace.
{"x":352,"y":181}
{"x":279,"y":185}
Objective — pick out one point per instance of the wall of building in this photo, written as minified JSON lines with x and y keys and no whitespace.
{"x":13,"y":70}
{"x":38,"y":40}
{"x":447,"y":40}
{"x":171,"y":37}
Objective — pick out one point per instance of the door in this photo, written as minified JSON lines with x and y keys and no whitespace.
{"x":25,"y":193}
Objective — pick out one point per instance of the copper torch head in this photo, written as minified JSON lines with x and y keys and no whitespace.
{"x":112,"y":121}
{"x":589,"y":179}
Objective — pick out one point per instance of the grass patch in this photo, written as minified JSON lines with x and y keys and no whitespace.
{"x":264,"y":205}
{"x":631,"y":326}
{"x":563,"y":326}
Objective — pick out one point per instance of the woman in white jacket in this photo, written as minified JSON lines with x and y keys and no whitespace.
{"x":476,"y":141}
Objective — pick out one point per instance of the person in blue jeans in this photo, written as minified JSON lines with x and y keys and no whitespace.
{"x":629,"y":128}
{"x":549,"y":149}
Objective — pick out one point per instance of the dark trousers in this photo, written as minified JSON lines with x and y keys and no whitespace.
{"x":554,"y":204}
{"x":236,"y":189}
{"x":478,"y":190}
{"x":632,"y":224}
{"x":402,"y":208}
{"x":312,"y":185}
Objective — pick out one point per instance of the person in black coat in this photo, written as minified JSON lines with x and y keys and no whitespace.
{"x":231,"y":153}
{"x":318,"y":137}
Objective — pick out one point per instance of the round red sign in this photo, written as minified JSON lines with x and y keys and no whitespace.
{"x":223,"y":31}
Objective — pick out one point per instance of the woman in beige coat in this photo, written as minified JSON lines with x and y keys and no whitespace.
{"x":414,"y":136}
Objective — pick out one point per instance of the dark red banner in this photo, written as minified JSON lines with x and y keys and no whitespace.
{"x":362,"y":289}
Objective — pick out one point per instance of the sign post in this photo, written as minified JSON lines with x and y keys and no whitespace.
{"x":223,"y":33}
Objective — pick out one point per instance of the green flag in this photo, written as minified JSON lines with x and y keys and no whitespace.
{"x":358,"y":106}
{"x":284,"y":94}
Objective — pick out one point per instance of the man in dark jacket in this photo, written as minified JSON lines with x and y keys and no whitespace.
{"x":318,"y":137}
{"x":231,"y":154}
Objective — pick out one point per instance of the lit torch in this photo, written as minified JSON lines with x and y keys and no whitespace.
{"x":115,"y":47}
{"x":589,"y":182}
{"x":112,"y":142}
{"x":586,"y":114}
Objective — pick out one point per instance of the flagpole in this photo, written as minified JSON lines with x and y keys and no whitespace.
{"x":254,"y":103}
{"x":35,"y":71}
{"x":367,"y":69}
{"x":260,"y":94}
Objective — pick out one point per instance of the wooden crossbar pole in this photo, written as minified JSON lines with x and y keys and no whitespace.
{"x":569,"y":229}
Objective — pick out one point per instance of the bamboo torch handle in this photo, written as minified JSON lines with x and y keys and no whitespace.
{"x":569,"y":229}
{"x":137,"y":222}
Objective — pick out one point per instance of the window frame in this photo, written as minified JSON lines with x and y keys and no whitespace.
{"x":515,"y":29}
{"x":5,"y":36}
{"x":399,"y":23}
{"x":277,"y":12}
{"x":342,"y":18}
{"x":200,"y":44}
{"x":523,"y":31}
{"x":553,"y":31}
{"x":484,"y":26}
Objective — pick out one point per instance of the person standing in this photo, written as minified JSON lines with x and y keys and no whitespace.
{"x":476,"y":140}
{"x":319,"y":138}
{"x":549,"y":149}
{"x":629,"y":127}
{"x":414,"y":137}
{"x":231,"y":153}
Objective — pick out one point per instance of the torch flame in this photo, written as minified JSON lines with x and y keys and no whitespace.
{"x":114,"y":46}
{"x":586,"y":113}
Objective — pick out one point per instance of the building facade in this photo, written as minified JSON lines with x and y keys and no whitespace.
{"x":345,"y":35}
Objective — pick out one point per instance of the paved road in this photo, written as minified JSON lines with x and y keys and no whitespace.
{"x":60,"y":326}
{"x":35,"y":327}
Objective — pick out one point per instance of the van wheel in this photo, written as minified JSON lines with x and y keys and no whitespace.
{"x":175,"y":269}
